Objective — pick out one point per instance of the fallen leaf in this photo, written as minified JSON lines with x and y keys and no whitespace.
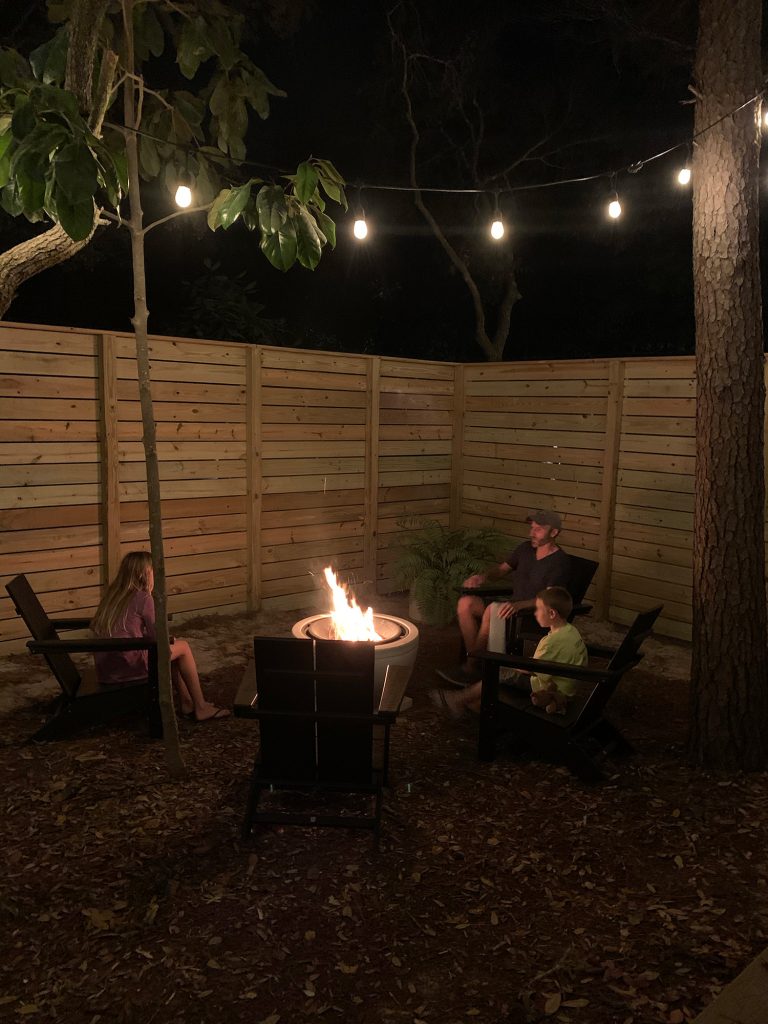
{"x":552,"y":1003}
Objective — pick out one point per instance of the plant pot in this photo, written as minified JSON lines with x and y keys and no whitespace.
{"x":438,"y":613}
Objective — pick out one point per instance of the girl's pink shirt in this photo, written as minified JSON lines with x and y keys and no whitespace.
{"x":138,"y":621}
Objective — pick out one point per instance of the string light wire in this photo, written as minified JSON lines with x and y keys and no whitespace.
{"x":632,"y":168}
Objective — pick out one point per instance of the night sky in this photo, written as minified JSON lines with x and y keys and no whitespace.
{"x":607,"y":85}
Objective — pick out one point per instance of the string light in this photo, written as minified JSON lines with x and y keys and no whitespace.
{"x":497,"y":225}
{"x":183,"y":196}
{"x":360,"y":228}
{"x":684,"y":175}
{"x":614,"y":207}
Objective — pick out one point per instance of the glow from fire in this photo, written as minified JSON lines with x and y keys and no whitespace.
{"x":349,"y":620}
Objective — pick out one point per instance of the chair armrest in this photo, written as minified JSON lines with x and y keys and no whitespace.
{"x":91,"y":645}
{"x":550,"y":668}
{"x":485,"y":591}
{"x":71,"y":623}
{"x":374,"y":718}
{"x":599,"y":651}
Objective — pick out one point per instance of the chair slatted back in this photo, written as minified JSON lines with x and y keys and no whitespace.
{"x":626,"y":655}
{"x":285,"y":682}
{"x":315,"y":676}
{"x":40,"y":626}
{"x":581,"y":574}
{"x":630,"y":646}
{"x":344,"y":749}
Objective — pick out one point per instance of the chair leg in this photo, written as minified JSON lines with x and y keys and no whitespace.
{"x":63,"y":723}
{"x":581,"y":764}
{"x":254,"y":795}
{"x":611,"y":740}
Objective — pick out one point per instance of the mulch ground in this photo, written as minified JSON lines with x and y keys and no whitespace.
{"x":499,"y":894}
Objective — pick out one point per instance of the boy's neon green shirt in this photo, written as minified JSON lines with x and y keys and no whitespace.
{"x":565,"y":645}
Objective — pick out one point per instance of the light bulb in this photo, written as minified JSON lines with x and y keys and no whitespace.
{"x":497,"y":228}
{"x":183,"y":196}
{"x":684,"y":176}
{"x":765,"y":118}
{"x":360,"y":229}
{"x":614,"y":209}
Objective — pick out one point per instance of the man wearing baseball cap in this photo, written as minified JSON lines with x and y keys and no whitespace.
{"x":533,"y":565}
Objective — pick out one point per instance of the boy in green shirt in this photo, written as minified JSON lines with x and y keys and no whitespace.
{"x":562,"y":643}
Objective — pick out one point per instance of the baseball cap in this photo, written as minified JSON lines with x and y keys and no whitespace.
{"x":545,"y":518}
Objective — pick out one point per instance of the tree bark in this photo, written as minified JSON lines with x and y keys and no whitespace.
{"x":54,"y":246}
{"x":729,"y":714}
{"x":140,"y":321}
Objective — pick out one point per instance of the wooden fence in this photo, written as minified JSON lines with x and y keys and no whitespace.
{"x":276,"y":461}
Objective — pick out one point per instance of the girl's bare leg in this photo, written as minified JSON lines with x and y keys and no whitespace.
{"x":183,"y":661}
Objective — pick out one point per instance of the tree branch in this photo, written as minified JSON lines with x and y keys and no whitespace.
{"x":174,"y":215}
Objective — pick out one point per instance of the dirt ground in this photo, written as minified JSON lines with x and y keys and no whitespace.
{"x":499,"y":894}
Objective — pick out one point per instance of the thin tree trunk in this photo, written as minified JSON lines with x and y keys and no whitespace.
{"x":729,"y":720}
{"x":140,"y":319}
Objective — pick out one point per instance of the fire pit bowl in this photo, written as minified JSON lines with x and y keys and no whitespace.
{"x":398,"y":646}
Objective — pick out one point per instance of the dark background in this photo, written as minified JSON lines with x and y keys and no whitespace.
{"x":607,"y":79}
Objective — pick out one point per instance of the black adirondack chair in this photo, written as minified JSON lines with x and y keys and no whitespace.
{"x":523,"y":628}
{"x":83,"y":702}
{"x":583,"y":732}
{"x":319,"y":730}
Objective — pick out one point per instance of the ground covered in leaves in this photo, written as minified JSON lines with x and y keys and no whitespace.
{"x":499,"y":894}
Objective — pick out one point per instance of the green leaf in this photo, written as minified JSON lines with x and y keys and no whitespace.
{"x":280,"y":247}
{"x":234,"y":205}
{"x":193,"y":48}
{"x":309,"y":244}
{"x":49,"y":61}
{"x":152,"y":32}
{"x":10,"y":199}
{"x":214,"y":214}
{"x":149,"y":158}
{"x":76,"y":173}
{"x":222,"y":43}
{"x":272,"y":208}
{"x":32,"y":195}
{"x":24,"y":119}
{"x":191,"y":107}
{"x":75,"y":218}
{"x":328,"y":171}
{"x":5,"y":169}
{"x":327,"y":226}
{"x":306,"y":182}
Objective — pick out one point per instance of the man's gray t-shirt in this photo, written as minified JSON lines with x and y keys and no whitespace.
{"x":531,"y":574}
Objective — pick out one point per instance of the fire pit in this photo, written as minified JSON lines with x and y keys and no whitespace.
{"x":396,"y":640}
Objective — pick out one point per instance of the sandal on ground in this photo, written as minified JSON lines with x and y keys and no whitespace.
{"x":218,"y":713}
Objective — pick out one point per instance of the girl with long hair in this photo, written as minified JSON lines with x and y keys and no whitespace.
{"x":128,"y":610}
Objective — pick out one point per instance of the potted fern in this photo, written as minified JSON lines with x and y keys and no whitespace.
{"x":434,"y":561}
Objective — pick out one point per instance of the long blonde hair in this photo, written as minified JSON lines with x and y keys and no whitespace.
{"x":133,"y":575}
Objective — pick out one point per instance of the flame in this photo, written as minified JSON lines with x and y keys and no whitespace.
{"x":349,"y":620}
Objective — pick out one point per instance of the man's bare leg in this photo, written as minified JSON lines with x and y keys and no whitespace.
{"x":470,"y":612}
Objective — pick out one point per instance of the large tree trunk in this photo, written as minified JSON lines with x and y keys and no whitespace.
{"x":140,"y":321}
{"x":729,"y":722}
{"x":54,"y":246}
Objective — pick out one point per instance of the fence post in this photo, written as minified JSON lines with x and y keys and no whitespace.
{"x":110,"y":455}
{"x":253,"y":356}
{"x":457,"y":449}
{"x":610,"y":483}
{"x":371,"y":509}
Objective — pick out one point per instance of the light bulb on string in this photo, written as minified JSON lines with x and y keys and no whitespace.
{"x":614,"y":207}
{"x":183,"y":197}
{"x":497,"y":224}
{"x":360,"y":229}
{"x":684,"y":175}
